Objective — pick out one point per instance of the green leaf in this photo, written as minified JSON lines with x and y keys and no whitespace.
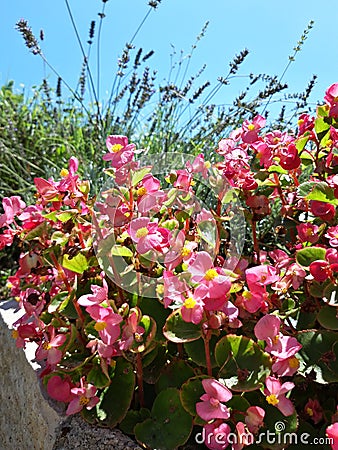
{"x":327,"y":317}
{"x":301,"y":142}
{"x":174,"y":375}
{"x":306,"y":256}
{"x":121,"y":250}
{"x":322,"y":128}
{"x":196,"y":352}
{"x":330,"y":295}
{"x":322,"y":193}
{"x":138,"y":175}
{"x":243,"y":361}
{"x":169,"y":425}
{"x":155,"y":309}
{"x":132,"y":418}
{"x":116,"y":398}
{"x":178,"y":331}
{"x":76,"y":264}
{"x":277,"y":169}
{"x":319,"y":354}
{"x":59,"y":238}
{"x":97,"y":377}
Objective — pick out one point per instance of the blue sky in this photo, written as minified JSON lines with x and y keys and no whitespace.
{"x":269,"y":32}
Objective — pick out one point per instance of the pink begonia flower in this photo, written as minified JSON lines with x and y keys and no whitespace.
{"x":216,"y":435}
{"x":6,"y":238}
{"x":244,"y":437}
{"x":307,"y":232}
{"x":12,"y":207}
{"x":85,"y":398}
{"x":173,"y":288}
{"x":183,"y":180}
{"x":252,"y":301}
{"x":332,"y":235}
{"x":211,"y":406}
{"x":31,"y":217}
{"x":332,"y":181}
{"x":251,"y":128}
{"x":120,"y":152}
{"x":286,"y":367}
{"x":33,"y":302}
{"x":180,"y":250}
{"x":60,"y":389}
{"x":192,"y":309}
{"x":295,"y":275}
{"x":323,"y":210}
{"x":149,"y":236}
{"x":107,"y":323}
{"x":149,"y":194}
{"x":99,"y":295}
{"x":275,"y":395}
{"x":320,"y":270}
{"x":254,"y":418}
{"x":25,"y":333}
{"x":331,"y":255}
{"x":331,"y":98}
{"x":48,"y":348}
{"x":131,"y":331}
{"x":289,"y":158}
{"x":332,"y":433}
{"x":280,"y":259}
{"x":267,"y":328}
{"x":105,"y":351}
{"x":264,"y":153}
{"x":259,"y":276}
{"x":48,"y":190}
{"x":199,"y":165}
{"x":314,"y":410}
{"x":203,"y":271}
{"x":116,"y":210}
{"x":305,"y":123}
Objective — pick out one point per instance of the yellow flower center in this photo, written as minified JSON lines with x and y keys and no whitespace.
{"x":100,"y":326}
{"x":335,"y":99}
{"x":190,"y":303}
{"x":160,"y":289}
{"x":300,"y":122}
{"x":293,"y":363}
{"x":15,"y":334}
{"x":64,"y":173}
{"x":275,"y":339}
{"x":9,"y":285}
{"x":309,"y":411}
{"x":141,"y":191}
{"x":247,"y":295}
{"x":329,"y":142}
{"x":84,"y":400}
{"x":251,"y":127}
{"x":141,"y":232}
{"x":263,"y":278}
{"x":309,"y":232}
{"x":46,"y":346}
{"x":185,"y":251}
{"x":207,"y":164}
{"x":272,"y":400}
{"x":210,"y":274}
{"x":116,"y":148}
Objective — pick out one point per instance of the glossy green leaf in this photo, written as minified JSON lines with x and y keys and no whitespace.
{"x":76,"y":264}
{"x":307,"y":255}
{"x":178,"y":331}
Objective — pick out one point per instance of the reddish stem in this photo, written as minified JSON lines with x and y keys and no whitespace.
{"x":255,"y":240}
{"x":207,"y":353}
{"x":139,"y":377}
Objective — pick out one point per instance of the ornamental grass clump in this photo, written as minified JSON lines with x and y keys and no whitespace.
{"x":190,"y":302}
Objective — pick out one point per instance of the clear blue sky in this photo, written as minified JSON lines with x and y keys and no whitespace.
{"x":268,"y":29}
